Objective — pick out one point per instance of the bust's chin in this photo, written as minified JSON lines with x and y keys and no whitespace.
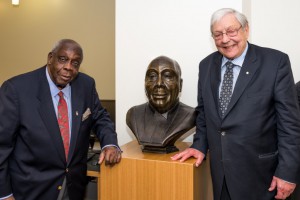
{"x":161,"y":106}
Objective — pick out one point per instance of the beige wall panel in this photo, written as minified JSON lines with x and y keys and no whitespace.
{"x":28,"y":32}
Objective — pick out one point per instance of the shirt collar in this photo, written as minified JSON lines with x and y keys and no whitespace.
{"x":237,"y":61}
{"x":54,"y":90}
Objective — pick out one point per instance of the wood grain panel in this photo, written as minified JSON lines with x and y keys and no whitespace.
{"x":150,"y":176}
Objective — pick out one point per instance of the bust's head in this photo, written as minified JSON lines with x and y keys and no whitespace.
{"x":163,"y":83}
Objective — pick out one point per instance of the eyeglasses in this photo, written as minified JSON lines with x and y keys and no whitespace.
{"x":229,"y":33}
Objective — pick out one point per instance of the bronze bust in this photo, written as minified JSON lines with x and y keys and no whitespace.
{"x":161,"y":121}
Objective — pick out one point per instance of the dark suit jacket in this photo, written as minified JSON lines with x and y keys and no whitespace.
{"x":259,"y":135}
{"x":298,"y":91}
{"x":32,"y":161}
{"x":296,"y":194}
{"x":150,"y":128}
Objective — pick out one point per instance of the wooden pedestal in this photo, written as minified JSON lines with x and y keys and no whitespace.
{"x":97,"y":175}
{"x":150,"y":176}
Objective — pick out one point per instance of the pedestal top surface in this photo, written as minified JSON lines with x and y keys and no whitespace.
{"x":133,"y":150}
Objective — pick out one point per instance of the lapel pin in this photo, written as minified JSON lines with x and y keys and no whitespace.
{"x":247,"y":72}
{"x":76,"y":113}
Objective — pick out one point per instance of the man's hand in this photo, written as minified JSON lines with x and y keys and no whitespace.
{"x":189,"y":152}
{"x":111,"y":154}
{"x":284,"y":189}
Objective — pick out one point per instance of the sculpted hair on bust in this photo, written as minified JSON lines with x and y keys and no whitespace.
{"x":166,"y":60}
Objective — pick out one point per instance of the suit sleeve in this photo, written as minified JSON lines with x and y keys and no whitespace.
{"x":298,"y":92}
{"x":200,"y":137}
{"x":8,"y":127}
{"x":288,"y":123}
{"x":103,"y":126}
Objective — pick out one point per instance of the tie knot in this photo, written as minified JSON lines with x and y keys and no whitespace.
{"x":229,"y":65}
{"x":61,"y":94}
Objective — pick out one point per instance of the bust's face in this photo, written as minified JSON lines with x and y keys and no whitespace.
{"x":162,"y":85}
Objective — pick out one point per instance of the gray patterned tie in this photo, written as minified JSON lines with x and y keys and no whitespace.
{"x":226,"y":88}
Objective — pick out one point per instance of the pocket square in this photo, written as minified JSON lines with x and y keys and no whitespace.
{"x":86,"y":114}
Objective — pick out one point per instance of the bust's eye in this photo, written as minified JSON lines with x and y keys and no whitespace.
{"x":152,"y":76}
{"x":169,"y":76}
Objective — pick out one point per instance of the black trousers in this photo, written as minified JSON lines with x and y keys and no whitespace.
{"x":225,"y":194}
{"x":63,"y":194}
{"x":296,"y":193}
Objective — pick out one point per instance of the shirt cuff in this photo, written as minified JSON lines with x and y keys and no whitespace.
{"x":110,"y":145}
{"x":289,"y":182}
{"x":3,"y":198}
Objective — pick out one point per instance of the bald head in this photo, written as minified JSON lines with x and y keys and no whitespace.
{"x":67,"y":42}
{"x":163,"y":83}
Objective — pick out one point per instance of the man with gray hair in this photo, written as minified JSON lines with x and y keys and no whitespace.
{"x":247,"y":116}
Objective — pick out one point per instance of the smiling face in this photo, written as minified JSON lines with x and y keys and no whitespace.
{"x":163,"y":84}
{"x":64,"y":62}
{"x":230,"y":46}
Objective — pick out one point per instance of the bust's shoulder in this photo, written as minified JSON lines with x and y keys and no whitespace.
{"x":139,"y":107}
{"x":136,"y":109}
{"x":186,"y":107}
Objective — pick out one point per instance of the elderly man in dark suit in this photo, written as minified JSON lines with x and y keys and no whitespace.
{"x":247,"y":116}
{"x":46,"y":117}
{"x":158,"y":123}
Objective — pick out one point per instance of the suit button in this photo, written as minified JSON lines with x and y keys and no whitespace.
{"x":223,"y":133}
{"x":67,"y":170}
{"x":59,"y":187}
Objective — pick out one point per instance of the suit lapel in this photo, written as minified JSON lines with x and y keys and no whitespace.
{"x":77,"y":109}
{"x":247,"y":72}
{"x":48,"y":115}
{"x":176,"y":118}
{"x":149,"y":125}
{"x":215,"y":78}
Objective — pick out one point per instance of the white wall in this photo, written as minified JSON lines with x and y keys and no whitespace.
{"x":180,"y":30}
{"x":275,"y":24}
{"x":150,"y":28}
